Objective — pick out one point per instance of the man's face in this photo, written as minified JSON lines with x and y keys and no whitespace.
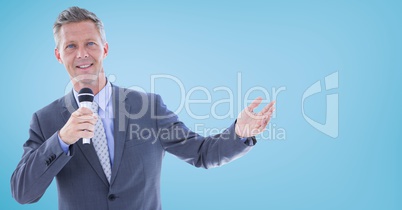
{"x":81,"y":50}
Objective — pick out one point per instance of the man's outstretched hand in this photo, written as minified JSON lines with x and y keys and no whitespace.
{"x":249,"y":123}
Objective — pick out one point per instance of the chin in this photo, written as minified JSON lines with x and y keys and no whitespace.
{"x":86,"y":79}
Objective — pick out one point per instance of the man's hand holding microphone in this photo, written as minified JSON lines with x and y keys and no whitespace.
{"x":81,"y":123}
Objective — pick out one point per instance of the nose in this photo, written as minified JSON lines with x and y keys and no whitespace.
{"x":82,"y":53}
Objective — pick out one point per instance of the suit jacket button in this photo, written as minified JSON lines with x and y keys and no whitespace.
{"x":112,"y":197}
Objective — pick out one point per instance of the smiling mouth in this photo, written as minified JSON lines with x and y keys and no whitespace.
{"x":85,"y":66}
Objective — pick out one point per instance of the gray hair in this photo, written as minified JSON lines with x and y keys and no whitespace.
{"x":73,"y":15}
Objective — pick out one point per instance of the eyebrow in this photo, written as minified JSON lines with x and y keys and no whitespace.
{"x":73,"y":41}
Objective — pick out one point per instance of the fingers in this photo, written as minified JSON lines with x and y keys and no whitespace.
{"x":83,"y":111}
{"x":262,"y":124}
{"x":81,"y":124}
{"x":269,"y":113}
{"x":254,"y":104}
{"x":84,"y":114}
{"x":252,"y":128}
{"x":84,"y":119}
{"x":267,"y":116}
{"x":86,"y":127}
{"x":85,"y":122}
{"x":250,"y":123}
{"x":267,"y":110}
{"x":268,"y":107}
{"x":265,"y":122}
{"x":255,"y":116}
{"x":86,"y":134}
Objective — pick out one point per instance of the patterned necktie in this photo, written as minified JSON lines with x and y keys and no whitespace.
{"x":100,"y":144}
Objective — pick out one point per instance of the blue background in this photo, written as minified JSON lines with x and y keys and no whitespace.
{"x":289,"y":44}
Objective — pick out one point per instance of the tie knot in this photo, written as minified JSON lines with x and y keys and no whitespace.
{"x":94,"y":107}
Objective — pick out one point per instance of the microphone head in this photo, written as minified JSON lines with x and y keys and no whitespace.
{"x":86,"y":95}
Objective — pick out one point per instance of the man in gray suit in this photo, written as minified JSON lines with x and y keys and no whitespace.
{"x":130,"y":131}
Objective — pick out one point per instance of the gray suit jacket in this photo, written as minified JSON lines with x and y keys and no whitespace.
{"x":143,"y":130}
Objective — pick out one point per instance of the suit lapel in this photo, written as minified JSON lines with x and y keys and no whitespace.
{"x":120,"y":127}
{"x":87,"y":150}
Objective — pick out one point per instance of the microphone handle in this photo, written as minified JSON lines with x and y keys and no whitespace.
{"x":86,"y":104}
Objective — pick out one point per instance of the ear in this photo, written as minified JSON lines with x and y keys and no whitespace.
{"x":57,"y":54}
{"x":105,"y":50}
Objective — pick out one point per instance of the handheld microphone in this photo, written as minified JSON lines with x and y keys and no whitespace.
{"x":86,"y":97}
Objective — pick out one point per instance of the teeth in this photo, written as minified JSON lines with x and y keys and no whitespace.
{"x":84,"y":66}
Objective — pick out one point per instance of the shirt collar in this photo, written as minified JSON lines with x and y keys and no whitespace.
{"x":102,"y":98}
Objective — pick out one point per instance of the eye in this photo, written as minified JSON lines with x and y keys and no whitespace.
{"x":70,"y":46}
{"x":91,"y":43}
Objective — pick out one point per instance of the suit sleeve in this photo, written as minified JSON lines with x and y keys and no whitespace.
{"x":40,"y":163}
{"x":206,"y":152}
